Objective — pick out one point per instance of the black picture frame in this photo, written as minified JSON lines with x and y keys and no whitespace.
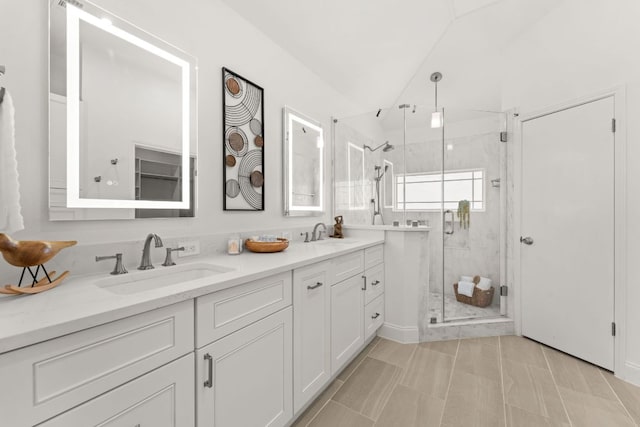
{"x":243,"y":143}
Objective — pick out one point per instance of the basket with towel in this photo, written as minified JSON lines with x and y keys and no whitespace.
{"x":474,"y":290}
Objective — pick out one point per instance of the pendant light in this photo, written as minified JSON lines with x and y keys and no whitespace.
{"x":437,"y":118}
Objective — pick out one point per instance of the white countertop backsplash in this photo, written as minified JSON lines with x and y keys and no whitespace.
{"x":79,"y":304}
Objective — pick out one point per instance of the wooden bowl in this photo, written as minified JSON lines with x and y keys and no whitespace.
{"x":266,"y":247}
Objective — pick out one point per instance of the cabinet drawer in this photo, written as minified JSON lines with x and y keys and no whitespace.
{"x":221,"y":313}
{"x":347,"y":266}
{"x":162,"y":398}
{"x":53,"y":376}
{"x":375,"y":283}
{"x":373,"y":316}
{"x":373,"y":256}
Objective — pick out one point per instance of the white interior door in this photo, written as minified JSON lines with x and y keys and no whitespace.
{"x":567,"y":271}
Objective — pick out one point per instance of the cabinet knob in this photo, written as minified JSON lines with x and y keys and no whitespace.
{"x":375,"y":283}
{"x":375,"y":316}
{"x":316,"y":286}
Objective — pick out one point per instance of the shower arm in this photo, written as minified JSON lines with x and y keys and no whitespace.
{"x":377,"y":148}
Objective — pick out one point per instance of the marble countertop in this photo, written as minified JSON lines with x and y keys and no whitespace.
{"x":400,"y":228}
{"x":78,"y":303}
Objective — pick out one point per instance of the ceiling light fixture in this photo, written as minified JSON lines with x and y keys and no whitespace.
{"x":437,"y":118}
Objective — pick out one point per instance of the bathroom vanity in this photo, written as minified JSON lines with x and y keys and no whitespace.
{"x":267,"y":332}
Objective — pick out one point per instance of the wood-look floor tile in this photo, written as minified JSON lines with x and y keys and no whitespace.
{"x":473,"y":400}
{"x":346,"y":372}
{"x":337,"y":415}
{"x":532,"y":389}
{"x":474,"y":391}
{"x":449,"y":347}
{"x":429,"y":372}
{"x":586,"y":410}
{"x":317,"y":404}
{"x":409,"y":408}
{"x":628,"y":394}
{"x":368,"y":389}
{"x":479,"y":357}
{"x":517,"y":417}
{"x":577,"y":375}
{"x":523,"y":350}
{"x":393,"y":352}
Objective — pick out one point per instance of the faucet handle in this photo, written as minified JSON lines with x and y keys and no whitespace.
{"x":306,"y":236}
{"x":168,"y":261}
{"x":119,"y":267}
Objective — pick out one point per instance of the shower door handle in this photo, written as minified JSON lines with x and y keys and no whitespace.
{"x":526,"y":240}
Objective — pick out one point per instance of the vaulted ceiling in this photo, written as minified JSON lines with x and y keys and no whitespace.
{"x":380,"y":53}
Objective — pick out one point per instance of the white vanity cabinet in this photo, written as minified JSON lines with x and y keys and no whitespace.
{"x":244,"y":378}
{"x":311,"y":331}
{"x":46,"y":379}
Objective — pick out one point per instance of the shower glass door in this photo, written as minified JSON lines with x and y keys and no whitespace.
{"x":468,"y":257}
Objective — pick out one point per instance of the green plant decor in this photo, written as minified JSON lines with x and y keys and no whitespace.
{"x":464,"y":213}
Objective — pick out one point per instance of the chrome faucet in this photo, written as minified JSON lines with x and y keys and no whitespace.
{"x":145,"y":263}
{"x":315,"y":228}
{"x":119,"y":268}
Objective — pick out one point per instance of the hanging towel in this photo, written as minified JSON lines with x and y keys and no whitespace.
{"x":484,"y":284}
{"x":466,"y":288}
{"x":10,"y":216}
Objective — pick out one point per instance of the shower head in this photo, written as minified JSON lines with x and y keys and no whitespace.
{"x":388,"y":147}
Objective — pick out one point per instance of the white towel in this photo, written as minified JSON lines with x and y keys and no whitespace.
{"x":466,"y":279}
{"x":10,"y":216}
{"x":484,"y":284}
{"x":466,"y":288}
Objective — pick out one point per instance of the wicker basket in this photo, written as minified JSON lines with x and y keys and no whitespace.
{"x":480,"y":298}
{"x":266,"y":247}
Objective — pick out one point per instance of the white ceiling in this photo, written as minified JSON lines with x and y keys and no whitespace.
{"x":381,"y":53}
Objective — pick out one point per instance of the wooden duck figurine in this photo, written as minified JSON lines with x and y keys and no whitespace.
{"x":32,"y":253}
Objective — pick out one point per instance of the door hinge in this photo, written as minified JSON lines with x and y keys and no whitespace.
{"x":613,"y":329}
{"x":613,"y":125}
{"x":504,"y":291}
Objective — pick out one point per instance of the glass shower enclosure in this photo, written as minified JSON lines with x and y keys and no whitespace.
{"x":391,"y":169}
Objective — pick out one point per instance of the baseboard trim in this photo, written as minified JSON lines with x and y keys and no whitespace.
{"x":401,"y":334}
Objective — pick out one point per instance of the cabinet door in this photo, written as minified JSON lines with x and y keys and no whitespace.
{"x":311,"y":331}
{"x":347,"y":330}
{"x":244,"y":379}
{"x":161,"y":398}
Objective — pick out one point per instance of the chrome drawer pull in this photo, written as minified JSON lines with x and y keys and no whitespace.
{"x":316,"y":286}
{"x":209,"y":381}
{"x":375,"y":316}
{"x":375,"y":283}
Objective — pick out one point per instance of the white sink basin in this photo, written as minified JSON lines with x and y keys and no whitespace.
{"x":141,"y":281}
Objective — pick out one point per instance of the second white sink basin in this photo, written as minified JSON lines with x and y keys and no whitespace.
{"x":141,"y":281}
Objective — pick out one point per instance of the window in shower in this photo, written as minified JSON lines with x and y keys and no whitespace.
{"x":423,"y":191}
{"x":356,"y":177}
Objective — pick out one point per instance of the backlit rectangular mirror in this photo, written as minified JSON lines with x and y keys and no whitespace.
{"x":303,"y":164}
{"x":122,"y":118}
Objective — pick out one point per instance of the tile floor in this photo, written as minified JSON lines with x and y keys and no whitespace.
{"x":492,"y":382}
{"x":455,"y":310}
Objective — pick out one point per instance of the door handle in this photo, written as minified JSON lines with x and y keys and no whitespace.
{"x":526,"y":240}
{"x":365,"y":283}
{"x":209,"y":382}
{"x":316,"y":286}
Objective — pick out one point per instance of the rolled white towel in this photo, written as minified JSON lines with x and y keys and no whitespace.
{"x":466,"y":288}
{"x":466,"y":279}
{"x":484,"y":284}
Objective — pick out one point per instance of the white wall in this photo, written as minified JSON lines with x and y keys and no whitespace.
{"x":218,"y":37}
{"x":584,"y":47}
